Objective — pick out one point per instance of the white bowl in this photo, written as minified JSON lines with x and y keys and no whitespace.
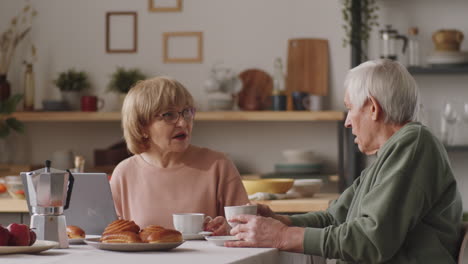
{"x":306,"y":187}
{"x":299,"y":156}
{"x":220,"y":104}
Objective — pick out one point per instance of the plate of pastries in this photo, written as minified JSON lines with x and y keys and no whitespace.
{"x":76,"y":235}
{"x":125,"y":235}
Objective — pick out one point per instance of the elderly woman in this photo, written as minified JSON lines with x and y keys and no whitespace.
{"x":167,"y":174}
{"x":404,"y":208}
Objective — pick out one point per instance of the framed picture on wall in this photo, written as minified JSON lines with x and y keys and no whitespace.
{"x":121,"y":32}
{"x":165,"y":5}
{"x":182,"y":47}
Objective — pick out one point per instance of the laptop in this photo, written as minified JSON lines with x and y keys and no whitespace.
{"x":91,"y":204}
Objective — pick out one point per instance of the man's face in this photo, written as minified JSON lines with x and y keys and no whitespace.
{"x":360,"y":120}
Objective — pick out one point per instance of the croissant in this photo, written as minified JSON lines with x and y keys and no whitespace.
{"x":120,"y":226}
{"x":75,"y":232}
{"x":165,"y":236}
{"x":121,"y":237}
{"x":144,"y":233}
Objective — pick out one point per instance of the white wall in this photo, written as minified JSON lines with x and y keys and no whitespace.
{"x":243,"y":34}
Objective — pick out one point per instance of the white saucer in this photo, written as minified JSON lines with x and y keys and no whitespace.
{"x":200,"y":235}
{"x":219,"y":240}
{"x":76,"y":241}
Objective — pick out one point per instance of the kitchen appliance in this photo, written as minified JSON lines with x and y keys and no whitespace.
{"x":388,"y":40}
{"x":48,"y":192}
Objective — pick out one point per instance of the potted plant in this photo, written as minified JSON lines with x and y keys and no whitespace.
{"x":7,"y":124}
{"x":123,"y":79}
{"x":366,"y":14}
{"x":71,"y":83}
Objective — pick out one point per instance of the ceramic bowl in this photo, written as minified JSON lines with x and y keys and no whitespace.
{"x":15,"y":187}
{"x":267,"y":185}
{"x":298,"y":156}
{"x":306,"y":187}
{"x":220,"y":104}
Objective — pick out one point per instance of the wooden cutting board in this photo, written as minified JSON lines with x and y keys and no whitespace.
{"x":257,"y":86}
{"x":308,"y":66}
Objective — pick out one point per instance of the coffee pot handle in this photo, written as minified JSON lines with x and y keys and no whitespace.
{"x":405,"y":41}
{"x":71,"y":180}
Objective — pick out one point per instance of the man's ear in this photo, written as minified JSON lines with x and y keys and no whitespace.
{"x":375,"y":109}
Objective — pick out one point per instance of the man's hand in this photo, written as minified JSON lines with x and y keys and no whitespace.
{"x":257,"y":231}
{"x":219,"y":226}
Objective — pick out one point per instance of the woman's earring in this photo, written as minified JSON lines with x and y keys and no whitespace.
{"x":145,"y":136}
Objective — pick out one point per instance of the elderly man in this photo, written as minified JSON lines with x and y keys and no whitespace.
{"x":404,"y":208}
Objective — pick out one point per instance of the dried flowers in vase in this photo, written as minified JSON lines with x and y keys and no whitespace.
{"x":19,"y":27}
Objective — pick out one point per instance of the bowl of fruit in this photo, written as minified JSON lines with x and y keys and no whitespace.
{"x":15,"y":187}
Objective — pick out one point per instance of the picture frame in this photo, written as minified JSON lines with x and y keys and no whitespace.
{"x":121,"y":32}
{"x":176,"y":6}
{"x":171,"y":51}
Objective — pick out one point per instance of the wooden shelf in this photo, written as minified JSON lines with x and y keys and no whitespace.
{"x":200,"y":116}
{"x":457,"y":148}
{"x":463,"y":69}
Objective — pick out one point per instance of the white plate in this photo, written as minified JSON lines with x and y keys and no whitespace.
{"x":200,"y":235}
{"x":219,"y":240}
{"x":75,"y":241}
{"x":132,"y":246}
{"x":39,"y":246}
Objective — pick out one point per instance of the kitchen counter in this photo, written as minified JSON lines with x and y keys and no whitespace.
{"x":319,"y":202}
{"x":13,"y":206}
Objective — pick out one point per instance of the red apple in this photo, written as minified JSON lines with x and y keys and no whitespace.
{"x":19,"y":235}
{"x":4,"y":236}
{"x":32,"y":237}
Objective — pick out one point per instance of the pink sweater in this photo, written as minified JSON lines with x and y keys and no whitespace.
{"x":148,"y":195}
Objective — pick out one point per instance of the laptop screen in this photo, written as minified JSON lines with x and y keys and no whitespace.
{"x":91,"y":204}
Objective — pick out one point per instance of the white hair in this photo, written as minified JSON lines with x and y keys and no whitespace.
{"x":390,"y":84}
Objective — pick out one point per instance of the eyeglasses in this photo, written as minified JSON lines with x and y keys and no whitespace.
{"x":172,"y":117}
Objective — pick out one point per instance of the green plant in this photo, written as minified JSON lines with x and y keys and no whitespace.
{"x":8,"y":123}
{"x":72,"y":80}
{"x":369,"y":19}
{"x":122,"y":80}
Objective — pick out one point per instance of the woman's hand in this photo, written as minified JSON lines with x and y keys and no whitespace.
{"x":219,"y":226}
{"x":257,"y":231}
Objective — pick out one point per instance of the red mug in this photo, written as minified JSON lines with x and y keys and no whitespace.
{"x":91,"y":103}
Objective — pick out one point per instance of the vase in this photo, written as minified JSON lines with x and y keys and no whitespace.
{"x":4,"y":87}
{"x":72,"y":98}
{"x":29,"y":88}
{"x":121,"y":99}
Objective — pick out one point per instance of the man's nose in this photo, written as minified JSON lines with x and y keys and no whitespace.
{"x":347,"y":122}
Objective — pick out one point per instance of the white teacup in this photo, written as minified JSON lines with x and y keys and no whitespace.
{"x":188,"y":223}
{"x":231,"y":211}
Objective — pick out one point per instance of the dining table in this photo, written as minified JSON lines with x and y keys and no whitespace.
{"x":191,"y":251}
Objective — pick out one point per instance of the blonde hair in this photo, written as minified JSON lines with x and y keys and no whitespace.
{"x":143,"y":102}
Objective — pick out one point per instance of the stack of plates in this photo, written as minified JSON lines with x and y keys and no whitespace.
{"x":298,"y":168}
{"x":448,"y":58}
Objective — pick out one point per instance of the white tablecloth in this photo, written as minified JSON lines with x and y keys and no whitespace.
{"x":190,"y":252}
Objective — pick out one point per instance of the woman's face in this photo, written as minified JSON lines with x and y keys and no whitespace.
{"x":171,"y":130}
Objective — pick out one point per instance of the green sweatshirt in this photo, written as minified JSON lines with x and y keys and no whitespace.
{"x":404,"y":208}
